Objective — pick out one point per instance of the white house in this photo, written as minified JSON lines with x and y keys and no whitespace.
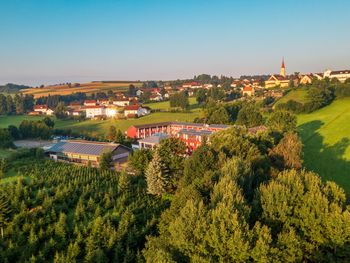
{"x":156,"y":97}
{"x":111,"y":112}
{"x":121,"y":102}
{"x":136,"y":111}
{"x":43,"y":109}
{"x":139,"y":93}
{"x":341,"y":75}
{"x":94,"y":111}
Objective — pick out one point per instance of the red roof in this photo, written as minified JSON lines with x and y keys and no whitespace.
{"x":40,"y":107}
{"x":93,"y":107}
{"x":247,"y":88}
{"x":90,"y":101}
{"x":132,"y":107}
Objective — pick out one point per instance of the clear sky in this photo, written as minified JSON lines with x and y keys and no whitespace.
{"x":52,"y":41}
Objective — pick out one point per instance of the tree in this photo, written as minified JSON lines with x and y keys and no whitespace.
{"x":3,"y":167}
{"x":4,"y":213}
{"x":156,"y":175}
{"x":288,"y":153}
{"x":132,"y":90}
{"x":140,"y":159}
{"x":219,"y":116}
{"x":282,"y":121}
{"x":180,"y":100}
{"x":249,"y":116}
{"x":61,"y":111}
{"x":6,"y":140}
{"x":112,"y":134}
{"x":49,"y":122}
{"x":201,"y":96}
{"x":106,"y":161}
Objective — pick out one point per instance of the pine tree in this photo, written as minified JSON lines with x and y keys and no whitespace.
{"x":4,"y":213}
{"x":155,"y":175}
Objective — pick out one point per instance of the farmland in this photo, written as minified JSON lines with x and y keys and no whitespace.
{"x":88,"y":88}
{"x":326,"y":138}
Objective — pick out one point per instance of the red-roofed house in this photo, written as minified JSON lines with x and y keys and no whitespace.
{"x":90,"y":103}
{"x":136,"y":111}
{"x":43,"y":109}
{"x":248,"y":91}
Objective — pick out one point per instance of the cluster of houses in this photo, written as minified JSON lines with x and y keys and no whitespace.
{"x":91,"y":109}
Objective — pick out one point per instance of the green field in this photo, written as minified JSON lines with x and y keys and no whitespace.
{"x":299,"y":94}
{"x":100,"y":127}
{"x":326,"y":138}
{"x":165,"y":105}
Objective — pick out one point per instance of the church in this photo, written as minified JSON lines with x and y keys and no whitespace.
{"x":278,"y":79}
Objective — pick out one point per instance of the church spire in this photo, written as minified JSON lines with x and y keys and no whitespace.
{"x":283,"y":69}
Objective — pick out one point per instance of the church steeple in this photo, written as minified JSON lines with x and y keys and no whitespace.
{"x":283,"y":69}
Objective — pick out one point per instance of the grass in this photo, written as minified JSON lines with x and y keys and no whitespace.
{"x":298,"y":94}
{"x":4,"y":153}
{"x":326,"y":137}
{"x":165,"y":105}
{"x":100,"y":127}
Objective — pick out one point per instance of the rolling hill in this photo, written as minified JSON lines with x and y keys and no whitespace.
{"x":326,"y":137}
{"x":91,"y":87}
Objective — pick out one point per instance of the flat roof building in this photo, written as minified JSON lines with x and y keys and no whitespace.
{"x":85,"y":152}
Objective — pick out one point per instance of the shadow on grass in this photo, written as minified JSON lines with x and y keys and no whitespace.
{"x":326,"y":160}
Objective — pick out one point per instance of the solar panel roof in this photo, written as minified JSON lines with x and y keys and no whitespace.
{"x":88,"y":148}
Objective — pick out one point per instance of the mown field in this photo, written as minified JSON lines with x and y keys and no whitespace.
{"x":88,"y":88}
{"x":326,"y":138}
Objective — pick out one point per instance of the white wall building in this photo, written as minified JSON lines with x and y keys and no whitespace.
{"x":95,"y":111}
{"x":341,"y":75}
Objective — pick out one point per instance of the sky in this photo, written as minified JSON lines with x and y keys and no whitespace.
{"x":55,"y":41}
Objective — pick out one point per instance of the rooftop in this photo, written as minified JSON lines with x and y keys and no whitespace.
{"x":155,"y":138}
{"x":83,"y":147}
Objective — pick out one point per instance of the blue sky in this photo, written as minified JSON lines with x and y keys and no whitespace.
{"x":52,"y":41}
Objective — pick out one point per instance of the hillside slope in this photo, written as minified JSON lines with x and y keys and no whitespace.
{"x":326,"y":137}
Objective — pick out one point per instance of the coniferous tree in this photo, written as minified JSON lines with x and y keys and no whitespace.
{"x":156,"y":176}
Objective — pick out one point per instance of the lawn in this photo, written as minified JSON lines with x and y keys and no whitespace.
{"x":326,"y":138}
{"x":298,"y":94}
{"x":165,"y":105}
{"x":101,"y":126}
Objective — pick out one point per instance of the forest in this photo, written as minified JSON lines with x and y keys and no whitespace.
{"x":240,"y":197}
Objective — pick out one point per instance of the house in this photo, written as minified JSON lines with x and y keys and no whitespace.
{"x":152,"y":141}
{"x":86,"y":152}
{"x":305,"y":79}
{"x":94,"y":111}
{"x":248,"y":91}
{"x":136,"y":111}
{"x":171,"y":128}
{"x":341,"y":75}
{"x":43,"y":110}
{"x":74,"y":112}
{"x":90,"y":103}
{"x":121,"y":102}
{"x":278,"y":79}
{"x":193,"y":138}
{"x":139,"y":93}
{"x":156,"y":97}
{"x":111,"y":111}
{"x":192,"y":85}
{"x":74,"y":105}
{"x":104,"y":102}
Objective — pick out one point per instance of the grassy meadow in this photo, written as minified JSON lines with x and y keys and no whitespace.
{"x":326,"y":137}
{"x":299,"y":94}
{"x":100,"y":127}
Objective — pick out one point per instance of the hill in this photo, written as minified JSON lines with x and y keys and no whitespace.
{"x":11,"y":88}
{"x":326,"y":137}
{"x":298,"y":94}
{"x":92,"y":87}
